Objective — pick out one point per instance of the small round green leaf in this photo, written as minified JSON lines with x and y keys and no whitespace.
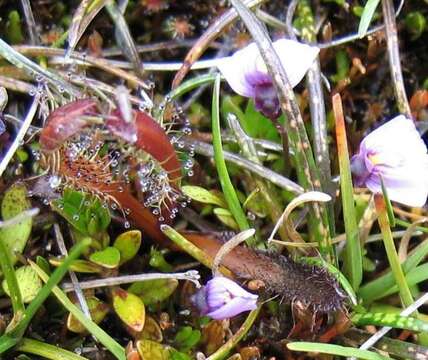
{"x":225,"y":216}
{"x":108,"y":258}
{"x":152,"y":331}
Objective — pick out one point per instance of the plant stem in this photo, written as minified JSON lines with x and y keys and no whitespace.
{"x":270,"y":201}
{"x":191,"y":249}
{"x":353,"y":262}
{"x":225,"y":182}
{"x":317,"y":108}
{"x":391,"y":252}
{"x":394,"y":58}
{"x":262,"y":171}
{"x":307,"y":171}
{"x":222,"y":352}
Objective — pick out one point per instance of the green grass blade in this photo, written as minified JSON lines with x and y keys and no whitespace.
{"x":46,"y":351}
{"x":394,"y":262}
{"x":375,"y":289}
{"x":391,"y":252}
{"x":10,"y":276}
{"x":335,"y":350}
{"x":353,"y":260}
{"x":367,"y":16}
{"x":413,"y":277}
{"x":93,"y":328}
{"x":307,"y":171}
{"x":13,"y":335}
{"x":392,"y":320}
{"x":123,"y":36}
{"x":21,"y":62}
{"x":225,"y":182}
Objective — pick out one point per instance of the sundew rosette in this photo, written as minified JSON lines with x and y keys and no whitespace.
{"x":247,"y":75}
{"x":111,"y":156}
{"x":395,"y":154}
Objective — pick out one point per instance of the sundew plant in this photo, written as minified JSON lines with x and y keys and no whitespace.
{"x":241,"y":179}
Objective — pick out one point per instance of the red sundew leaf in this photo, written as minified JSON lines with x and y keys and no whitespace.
{"x":151,"y":138}
{"x":122,"y":129}
{"x":64,"y":122}
{"x":139,"y":215}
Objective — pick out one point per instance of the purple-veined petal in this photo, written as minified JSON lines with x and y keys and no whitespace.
{"x":246,"y":68}
{"x":407,"y":185}
{"x":234,"y":307}
{"x":199,"y":299}
{"x":397,"y":136}
{"x":396,"y":153}
{"x":231,"y":286}
{"x":359,"y":169}
{"x":238,"y":67}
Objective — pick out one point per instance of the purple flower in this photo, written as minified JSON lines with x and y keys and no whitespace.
{"x":221,"y":298}
{"x":396,"y":153}
{"x":246,"y":72}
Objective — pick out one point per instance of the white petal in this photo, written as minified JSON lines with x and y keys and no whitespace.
{"x":397,"y":138}
{"x":406,"y":185}
{"x":296,"y":58}
{"x":235,"y":69}
{"x":232,"y":287}
{"x":233,"y":307}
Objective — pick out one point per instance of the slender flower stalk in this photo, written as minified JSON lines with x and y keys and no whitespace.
{"x":395,"y":154}
{"x":247,"y":75}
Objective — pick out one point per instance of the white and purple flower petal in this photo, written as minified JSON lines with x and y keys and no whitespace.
{"x":395,"y":154}
{"x":232,"y":308}
{"x":246,"y":73}
{"x":221,"y":298}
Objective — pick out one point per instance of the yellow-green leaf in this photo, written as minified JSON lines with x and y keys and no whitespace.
{"x":128,"y":244}
{"x":153,"y":350}
{"x":15,"y":236}
{"x":28,"y":281}
{"x":154,"y":291}
{"x":108,"y":258}
{"x":130,"y":308}
{"x":98,"y":311}
{"x":202,"y":195}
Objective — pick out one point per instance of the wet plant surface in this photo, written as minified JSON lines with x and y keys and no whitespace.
{"x":241,"y":179}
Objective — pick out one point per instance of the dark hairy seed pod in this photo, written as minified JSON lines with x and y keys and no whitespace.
{"x":296,"y":282}
{"x":311,"y":285}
